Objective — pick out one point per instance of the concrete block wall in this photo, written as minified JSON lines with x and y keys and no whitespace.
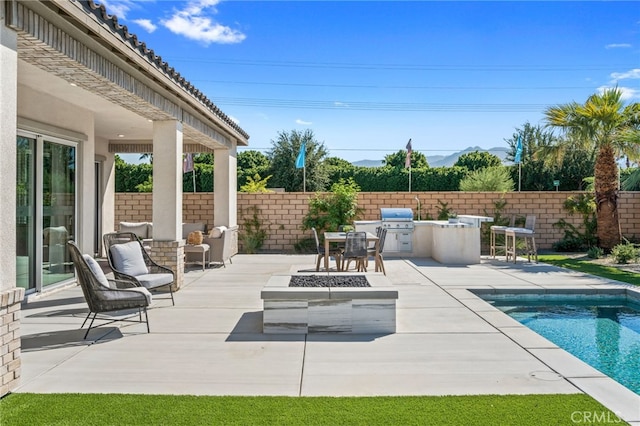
{"x":282,"y":213}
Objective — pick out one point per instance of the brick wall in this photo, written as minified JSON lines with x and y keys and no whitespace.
{"x":282,"y":213}
{"x":10,"y":339}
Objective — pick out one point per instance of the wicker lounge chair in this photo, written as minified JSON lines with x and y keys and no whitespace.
{"x":130,"y":262}
{"x":103,"y":295}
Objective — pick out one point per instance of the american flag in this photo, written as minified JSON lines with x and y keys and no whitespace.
{"x":407,"y":161}
{"x":187,"y":163}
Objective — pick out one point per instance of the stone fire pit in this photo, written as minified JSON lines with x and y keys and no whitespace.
{"x":329,"y":281}
{"x":329,"y":304}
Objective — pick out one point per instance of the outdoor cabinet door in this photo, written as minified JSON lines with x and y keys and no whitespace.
{"x":391,"y":242}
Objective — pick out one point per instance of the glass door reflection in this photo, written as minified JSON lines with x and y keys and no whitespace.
{"x":58,"y":210}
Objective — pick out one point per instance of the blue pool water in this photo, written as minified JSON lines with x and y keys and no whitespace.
{"x":603,"y":332}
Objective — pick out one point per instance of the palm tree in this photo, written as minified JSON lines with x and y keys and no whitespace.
{"x":604,"y":125}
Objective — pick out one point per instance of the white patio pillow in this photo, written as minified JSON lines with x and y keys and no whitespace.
{"x":97,"y":270}
{"x":217,"y":231}
{"x":127,"y":258}
{"x":141,"y":229}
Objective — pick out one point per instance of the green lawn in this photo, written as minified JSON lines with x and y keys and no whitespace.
{"x":117,"y":409}
{"x":589,"y":267}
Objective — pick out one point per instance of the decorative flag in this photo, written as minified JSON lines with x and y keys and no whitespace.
{"x":301,"y":156}
{"x":407,"y":161}
{"x":518,"y":157}
{"x":187,"y":163}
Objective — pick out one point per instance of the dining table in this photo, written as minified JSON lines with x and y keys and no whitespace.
{"x":341,"y":237}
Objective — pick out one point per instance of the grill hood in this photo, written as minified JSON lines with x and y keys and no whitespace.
{"x":396,"y":214}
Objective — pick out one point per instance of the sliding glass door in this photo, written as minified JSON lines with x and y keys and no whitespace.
{"x":46,"y":210}
{"x":25,"y":213}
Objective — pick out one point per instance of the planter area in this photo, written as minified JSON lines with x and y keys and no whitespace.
{"x":314,"y":308}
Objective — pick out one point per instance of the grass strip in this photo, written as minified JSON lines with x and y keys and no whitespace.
{"x":589,"y":267}
{"x":119,"y":409}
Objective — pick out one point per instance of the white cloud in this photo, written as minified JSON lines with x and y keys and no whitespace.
{"x":631,"y":74}
{"x":628,"y":93}
{"x":118,"y":7}
{"x":192,"y":22}
{"x":340,"y":104}
{"x":618,"y":46}
{"x":303,"y":123}
{"x":234,"y":119}
{"x":146,"y":24}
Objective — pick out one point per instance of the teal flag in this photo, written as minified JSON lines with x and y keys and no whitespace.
{"x":518,"y":157}
{"x":301,"y":156}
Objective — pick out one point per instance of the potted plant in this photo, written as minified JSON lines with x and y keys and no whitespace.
{"x":453,"y":217}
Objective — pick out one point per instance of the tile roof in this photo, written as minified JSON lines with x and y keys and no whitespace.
{"x":100,"y":12}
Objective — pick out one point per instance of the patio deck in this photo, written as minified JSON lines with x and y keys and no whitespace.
{"x":448,"y":342}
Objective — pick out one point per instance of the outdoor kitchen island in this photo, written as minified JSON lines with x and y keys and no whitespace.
{"x":450,"y":243}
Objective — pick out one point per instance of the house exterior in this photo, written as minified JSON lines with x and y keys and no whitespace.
{"x":77,"y":88}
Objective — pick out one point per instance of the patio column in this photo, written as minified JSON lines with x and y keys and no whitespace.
{"x":168,"y":245}
{"x":10,"y":295}
{"x":225,"y":192}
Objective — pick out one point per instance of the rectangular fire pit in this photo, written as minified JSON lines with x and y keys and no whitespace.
{"x":329,"y":309}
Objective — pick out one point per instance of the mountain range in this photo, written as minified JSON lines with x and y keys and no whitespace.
{"x":444,"y":160}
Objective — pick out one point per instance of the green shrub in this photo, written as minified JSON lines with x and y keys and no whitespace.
{"x":444,"y":211}
{"x":577,"y":239}
{"x":305,"y":245}
{"x":253,"y":232}
{"x":623,"y":253}
{"x":490,"y":179}
{"x":255,"y":184}
{"x":595,"y":252}
{"x":329,"y":211}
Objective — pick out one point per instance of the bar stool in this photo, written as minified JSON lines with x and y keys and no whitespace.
{"x":499,"y":230}
{"x":529,"y":236}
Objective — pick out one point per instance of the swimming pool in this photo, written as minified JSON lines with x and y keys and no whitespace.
{"x":603,"y":331}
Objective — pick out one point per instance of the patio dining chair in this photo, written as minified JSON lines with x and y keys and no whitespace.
{"x":130,"y":262}
{"x":355,"y":248}
{"x":336,"y":253}
{"x":103,"y":295}
{"x":371,"y":251}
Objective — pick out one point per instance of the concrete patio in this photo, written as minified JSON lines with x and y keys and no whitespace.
{"x":448,"y":342}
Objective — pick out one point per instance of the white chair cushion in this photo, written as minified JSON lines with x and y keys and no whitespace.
{"x":127,"y":258}
{"x":97,"y":270}
{"x":196,"y":248}
{"x":143,"y":291}
{"x":128,"y":294}
{"x":154,"y":280}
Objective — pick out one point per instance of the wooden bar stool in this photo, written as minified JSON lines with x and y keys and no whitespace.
{"x":529,"y":236}
{"x":499,"y":230}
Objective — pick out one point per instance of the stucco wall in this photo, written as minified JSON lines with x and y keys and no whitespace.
{"x":282,"y":213}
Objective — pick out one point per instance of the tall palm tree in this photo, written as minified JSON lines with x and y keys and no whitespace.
{"x":603,"y":123}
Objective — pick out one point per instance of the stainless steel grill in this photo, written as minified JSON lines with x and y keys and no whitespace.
{"x":399,"y":225}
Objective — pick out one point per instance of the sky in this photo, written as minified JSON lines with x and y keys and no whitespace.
{"x":366,"y":77}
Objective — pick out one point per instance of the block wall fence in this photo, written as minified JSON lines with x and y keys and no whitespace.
{"x":282,"y":213}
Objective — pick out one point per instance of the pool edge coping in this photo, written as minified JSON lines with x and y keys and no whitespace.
{"x":613,"y":395}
